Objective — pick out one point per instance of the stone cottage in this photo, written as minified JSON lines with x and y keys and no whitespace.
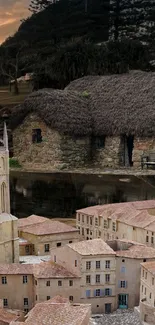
{"x":97,"y":121}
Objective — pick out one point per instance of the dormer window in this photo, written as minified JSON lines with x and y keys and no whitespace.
{"x":36,"y":136}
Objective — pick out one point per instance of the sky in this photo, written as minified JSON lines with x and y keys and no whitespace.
{"x":11,"y":12}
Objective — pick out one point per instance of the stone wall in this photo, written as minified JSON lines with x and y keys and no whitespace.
{"x":142,"y":146}
{"x":109,"y":156}
{"x":55,"y":151}
{"x":147,"y":313}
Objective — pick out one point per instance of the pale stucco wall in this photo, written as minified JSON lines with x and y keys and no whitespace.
{"x":52,"y":240}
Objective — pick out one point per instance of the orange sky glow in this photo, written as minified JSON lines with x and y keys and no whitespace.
{"x":11,"y":12}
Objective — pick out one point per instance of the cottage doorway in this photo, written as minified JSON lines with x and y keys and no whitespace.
{"x":123,"y":301}
{"x":128,"y":144}
{"x":107,"y":308}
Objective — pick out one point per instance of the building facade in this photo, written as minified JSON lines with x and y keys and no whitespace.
{"x":9,"y":245}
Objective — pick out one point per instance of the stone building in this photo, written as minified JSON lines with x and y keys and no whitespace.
{"x":38,"y":235}
{"x":147,"y":293}
{"x":58,"y":311}
{"x":9,"y":246}
{"x":131,"y":220}
{"x":97,"y":121}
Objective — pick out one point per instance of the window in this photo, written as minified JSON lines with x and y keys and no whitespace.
{"x":88,"y":265}
{"x":5,"y":302}
{"x":145,"y":275}
{"x":123,"y":261}
{"x":144,"y":260}
{"x":91,"y":221}
{"x":107,"y":264}
{"x":47,"y":248}
{"x":147,"y":239}
{"x":71,"y":298}
{"x":88,"y":279}
{"x":55,"y":258}
{"x":82,"y":218}
{"x":48,"y":298}
{"x":36,"y":282}
{"x":96,"y":222}
{"x":75,"y":263}
{"x":152,"y":240}
{"x":97,"y":278}
{"x":99,"y":142}
{"x":123,"y":284}
{"x":26,"y":302}
{"x":123,"y":269}
{"x":145,"y":291}
{"x":70,"y":241}
{"x":114,"y":226}
{"x":26,"y":310}
{"x":82,"y":231}
{"x":70,"y":283}
{"x":105,"y":224}
{"x":87,"y":219}
{"x":59,"y":283}
{"x":107,"y":278}
{"x":78,"y":216}
{"x":107,"y":292}
{"x":142,"y":288}
{"x":98,"y":264}
{"x":153,"y":281}
{"x":98,"y":292}
{"x":36,"y":297}
{"x":99,"y":233}
{"x":87,"y":231}
{"x":3,"y":196}
{"x":36,"y":136}
{"x":87,"y":293}
{"x":24,"y":278}
{"x":4,"y":280}
{"x":58,"y":244}
{"x":150,"y":295}
{"x":47,"y":283}
{"x":27,"y":249}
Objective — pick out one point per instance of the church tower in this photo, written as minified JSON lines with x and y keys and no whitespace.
{"x":9,"y":243}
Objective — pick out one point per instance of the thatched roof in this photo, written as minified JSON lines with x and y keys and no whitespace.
{"x":121,"y":104}
{"x":62,"y":110}
{"x":102,"y":105}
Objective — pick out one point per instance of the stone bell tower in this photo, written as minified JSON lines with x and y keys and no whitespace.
{"x":9,"y":244}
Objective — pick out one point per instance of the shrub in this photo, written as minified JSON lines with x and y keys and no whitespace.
{"x":14,"y":163}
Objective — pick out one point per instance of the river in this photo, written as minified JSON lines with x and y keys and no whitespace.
{"x":60,"y":194}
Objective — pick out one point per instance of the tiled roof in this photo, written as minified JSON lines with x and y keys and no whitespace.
{"x":49,"y":227}
{"x":137,"y":251}
{"x":6,"y":316}
{"x":141,"y":220}
{"x":149,"y":266}
{"x":16,"y":268}
{"x":51,"y":270}
{"x":92,"y":247}
{"x":31,"y":220}
{"x":58,"y":314}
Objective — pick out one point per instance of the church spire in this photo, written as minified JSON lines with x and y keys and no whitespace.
{"x":5,"y":137}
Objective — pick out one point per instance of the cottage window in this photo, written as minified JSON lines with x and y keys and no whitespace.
{"x":145,"y":291}
{"x":88,"y":279}
{"x":152,"y":240}
{"x":27,"y":249}
{"x":71,"y":298}
{"x":82,"y":218}
{"x":99,"y":233}
{"x":114,"y":226}
{"x":59,"y":283}
{"x":36,"y":282}
{"x":82,"y":231}
{"x":70,"y":283}
{"x":105,"y":224}
{"x":107,"y":264}
{"x":70,"y":241}
{"x":26,"y":301}
{"x":123,"y":284}
{"x":147,"y":239}
{"x":47,"y":283}
{"x":146,"y":275}
{"x":55,"y":258}
{"x":58,"y":244}
{"x":36,"y":297}
{"x":88,"y":265}
{"x":150,"y":295}
{"x":75,"y":263}
{"x":99,"y":142}
{"x":24,"y":278}
{"x":5,"y":302}
{"x":26,"y":310}
{"x":153,"y":281}
{"x":87,"y":219}
{"x":98,"y":264}
{"x":98,"y":292}
{"x":107,"y":292}
{"x":3,"y":196}
{"x":107,"y":278}
{"x":4,"y":280}
{"x":47,"y":248}
{"x":123,"y":261}
{"x":48,"y":298}
{"x":97,"y":278}
{"x":143,"y":274}
{"x":96,"y":221}
{"x":36,"y":136}
{"x":142,"y":288}
{"x":91,"y":221}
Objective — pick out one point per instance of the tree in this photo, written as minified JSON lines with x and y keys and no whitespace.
{"x":38,"y":5}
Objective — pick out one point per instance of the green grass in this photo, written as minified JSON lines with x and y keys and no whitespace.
{"x":8,"y":98}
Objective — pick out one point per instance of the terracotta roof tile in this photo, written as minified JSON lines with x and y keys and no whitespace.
{"x":49,"y":227}
{"x":137,"y":251}
{"x":31,"y":220}
{"x":149,"y":266}
{"x":6,"y":316}
{"x":142,"y":219}
{"x":51,"y":270}
{"x":92,"y":247}
{"x":16,"y":268}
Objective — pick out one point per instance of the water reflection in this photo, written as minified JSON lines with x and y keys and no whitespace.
{"x":60,"y":194}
